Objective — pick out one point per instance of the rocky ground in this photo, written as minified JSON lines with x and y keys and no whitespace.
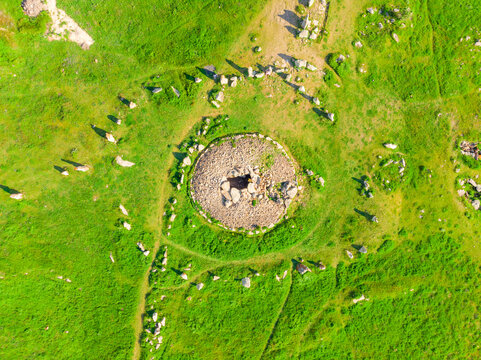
{"x":246,"y":181}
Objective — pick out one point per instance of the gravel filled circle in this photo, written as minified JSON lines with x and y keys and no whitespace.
{"x":244,"y":181}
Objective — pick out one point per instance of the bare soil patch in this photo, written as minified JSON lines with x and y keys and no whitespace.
{"x":62,"y":27}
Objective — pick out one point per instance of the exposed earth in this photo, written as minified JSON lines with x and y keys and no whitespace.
{"x":245,"y":181}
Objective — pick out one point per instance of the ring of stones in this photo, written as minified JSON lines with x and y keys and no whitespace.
{"x":245,"y":182}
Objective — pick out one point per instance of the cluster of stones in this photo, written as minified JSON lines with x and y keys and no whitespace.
{"x":315,"y":177}
{"x":389,"y":18}
{"x":470,"y":149}
{"x":233,"y":186}
{"x":155,"y":323}
{"x":309,"y":28}
{"x":467,"y":39}
{"x":365,"y":189}
{"x":473,"y":195}
{"x":224,"y":81}
{"x":401,"y":163}
{"x":256,"y":187}
{"x":282,"y":68}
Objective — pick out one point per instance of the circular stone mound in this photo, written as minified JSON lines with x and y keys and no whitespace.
{"x":244,"y":181}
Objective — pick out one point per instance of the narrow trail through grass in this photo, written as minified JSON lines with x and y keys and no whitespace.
{"x":276,"y":318}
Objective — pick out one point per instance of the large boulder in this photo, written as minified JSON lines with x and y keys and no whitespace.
{"x":302,"y":269}
{"x":292,"y":192}
{"x":187,"y":161}
{"x":390,"y":146}
{"x":219,"y":96}
{"x":235,"y":195}
{"x":300,"y":63}
{"x":304,"y":34}
{"x":123,"y":163}
{"x":223,"y":80}
{"x":476,"y":204}
{"x":305,"y":22}
{"x":225,"y":186}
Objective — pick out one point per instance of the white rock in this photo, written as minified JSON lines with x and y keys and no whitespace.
{"x":199,"y":286}
{"x":316,"y":101}
{"x":216,"y":104}
{"x":65,"y":173}
{"x":124,"y":210}
{"x":16,"y":196}
{"x":235,"y":195}
{"x":123,"y":163}
{"x":395,"y":37}
{"x":197,"y":80}
{"x":310,"y":3}
{"x":156,"y":90}
{"x":187,"y":161}
{"x":300,"y":63}
{"x":246,"y":282}
{"x":321,"y":180}
{"x":219,"y":96}
{"x":215,"y":278}
{"x":111,"y":257}
{"x":176,"y":92}
{"x":225,"y":186}
{"x":223,"y":80}
{"x":390,"y":146}
{"x":259,"y":75}
{"x":358,"y":44}
{"x":311,"y":67}
{"x":355,"y":301}
{"x":305,"y":22}
{"x":349,"y":254}
{"x":183,"y":276}
{"x":154,"y":317}
{"x":82,"y":168}
{"x":476,"y":204}
{"x":132,"y":105}
{"x":172,"y":217}
{"x":304,"y":34}
{"x":250,"y":72}
{"x":127,"y":225}
{"x":292,"y":192}
{"x":301,"y":89}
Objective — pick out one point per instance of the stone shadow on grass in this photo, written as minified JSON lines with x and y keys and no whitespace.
{"x":9,"y":190}
{"x":72,"y":162}
{"x":292,"y":30}
{"x":291,"y":17}
{"x":240,"y":69}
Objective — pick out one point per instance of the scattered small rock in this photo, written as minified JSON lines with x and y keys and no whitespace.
{"x":246,"y":282}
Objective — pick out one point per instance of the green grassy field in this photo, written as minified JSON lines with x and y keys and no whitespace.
{"x":420,"y":274}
